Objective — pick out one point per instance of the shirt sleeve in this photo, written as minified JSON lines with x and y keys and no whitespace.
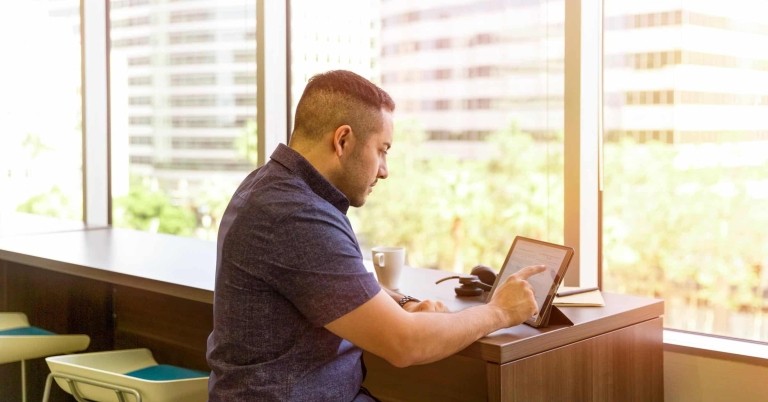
{"x":321,"y":271}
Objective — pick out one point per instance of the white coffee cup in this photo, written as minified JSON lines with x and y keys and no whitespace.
{"x":388,"y":263}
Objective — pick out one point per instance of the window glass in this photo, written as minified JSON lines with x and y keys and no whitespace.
{"x":685,"y":205}
{"x":183,"y":111}
{"x":40,"y":103}
{"x":478,"y":149}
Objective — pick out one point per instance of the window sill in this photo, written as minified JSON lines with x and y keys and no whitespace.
{"x":18,"y":223}
{"x":716,"y":347}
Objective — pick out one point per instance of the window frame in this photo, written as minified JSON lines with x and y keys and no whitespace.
{"x":272,"y":78}
{"x":97,"y":200}
{"x":272,"y":52}
{"x":583,"y":114}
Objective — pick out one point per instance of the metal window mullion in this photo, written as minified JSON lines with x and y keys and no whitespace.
{"x":583,"y":134}
{"x":272,"y":107}
{"x":94,"y":33}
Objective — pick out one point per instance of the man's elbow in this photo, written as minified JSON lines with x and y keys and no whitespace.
{"x":400,"y":361}
{"x":405,"y":354}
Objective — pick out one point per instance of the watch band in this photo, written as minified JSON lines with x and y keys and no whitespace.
{"x":406,"y":299}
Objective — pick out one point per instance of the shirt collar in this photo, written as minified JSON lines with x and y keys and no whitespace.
{"x":301,"y":167}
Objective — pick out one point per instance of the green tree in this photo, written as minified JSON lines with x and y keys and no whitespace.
{"x":152,"y":210}
{"x":679,"y":232}
{"x":34,"y":145}
{"x":452,"y":212}
{"x":199,"y":215}
{"x":53,"y":203}
{"x":247,"y":144}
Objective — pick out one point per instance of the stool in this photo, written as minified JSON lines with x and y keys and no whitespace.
{"x":19,"y":342}
{"x":123,"y":376}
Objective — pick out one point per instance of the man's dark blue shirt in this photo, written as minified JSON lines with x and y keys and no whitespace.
{"x":288,"y":263}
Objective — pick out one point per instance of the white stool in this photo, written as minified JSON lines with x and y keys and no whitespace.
{"x":19,"y":342}
{"x":123,"y":376}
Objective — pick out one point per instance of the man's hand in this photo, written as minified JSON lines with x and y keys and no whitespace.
{"x":426,"y":305}
{"x":403,"y":339}
{"x":515,"y":296}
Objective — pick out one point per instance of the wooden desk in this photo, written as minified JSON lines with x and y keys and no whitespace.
{"x":133,"y":289}
{"x":611,"y":353}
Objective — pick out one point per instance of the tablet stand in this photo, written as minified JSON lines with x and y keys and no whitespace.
{"x":554,"y":316}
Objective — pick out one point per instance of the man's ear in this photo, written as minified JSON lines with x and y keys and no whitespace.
{"x":341,"y":138}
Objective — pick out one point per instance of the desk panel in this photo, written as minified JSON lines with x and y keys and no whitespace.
{"x":622,"y":365}
{"x":456,"y":378}
{"x":174,"y":329}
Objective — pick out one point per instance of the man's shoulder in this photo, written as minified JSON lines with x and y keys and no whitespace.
{"x":281,"y":196}
{"x":270,"y":183}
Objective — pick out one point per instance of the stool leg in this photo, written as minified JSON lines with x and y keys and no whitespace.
{"x":73,"y":388}
{"x":47,"y":392}
{"x":23,"y":382}
{"x":73,"y":381}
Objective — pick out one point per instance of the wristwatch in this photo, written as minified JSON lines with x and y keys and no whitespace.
{"x":406,"y":299}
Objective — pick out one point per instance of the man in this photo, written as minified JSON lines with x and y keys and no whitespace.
{"x":293,"y":304}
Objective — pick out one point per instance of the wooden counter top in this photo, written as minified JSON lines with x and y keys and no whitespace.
{"x":185,"y":268}
{"x":172,"y":265}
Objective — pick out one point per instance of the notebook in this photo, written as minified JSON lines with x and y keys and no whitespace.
{"x":593,"y":298}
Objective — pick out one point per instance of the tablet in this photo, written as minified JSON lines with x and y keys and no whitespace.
{"x":525,"y":252}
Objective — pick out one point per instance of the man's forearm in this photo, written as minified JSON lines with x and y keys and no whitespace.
{"x":435,"y":336}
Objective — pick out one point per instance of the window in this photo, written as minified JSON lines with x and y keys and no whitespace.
{"x":479,"y":153}
{"x":40,"y":124}
{"x":175,"y":164}
{"x":685,"y":203}
{"x":466,"y":174}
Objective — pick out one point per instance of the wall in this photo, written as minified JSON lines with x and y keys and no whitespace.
{"x":692,"y":377}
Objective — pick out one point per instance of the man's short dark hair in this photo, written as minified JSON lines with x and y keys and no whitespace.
{"x":339,"y":97}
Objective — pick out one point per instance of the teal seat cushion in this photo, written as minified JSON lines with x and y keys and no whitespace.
{"x":166,"y":372}
{"x":25,"y":331}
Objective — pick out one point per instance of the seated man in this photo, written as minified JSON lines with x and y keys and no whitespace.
{"x":293,"y":305}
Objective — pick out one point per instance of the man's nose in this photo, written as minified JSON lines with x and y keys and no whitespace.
{"x":383,"y":171}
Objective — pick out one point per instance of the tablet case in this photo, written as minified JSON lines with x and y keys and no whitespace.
{"x":550,"y":314}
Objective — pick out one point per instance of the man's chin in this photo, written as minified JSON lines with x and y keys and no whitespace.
{"x":358,"y":202}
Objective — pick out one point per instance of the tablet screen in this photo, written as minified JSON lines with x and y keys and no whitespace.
{"x":525,"y":252}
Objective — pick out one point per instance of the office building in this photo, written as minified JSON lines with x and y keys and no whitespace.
{"x":183,"y":93}
{"x":675,"y":72}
